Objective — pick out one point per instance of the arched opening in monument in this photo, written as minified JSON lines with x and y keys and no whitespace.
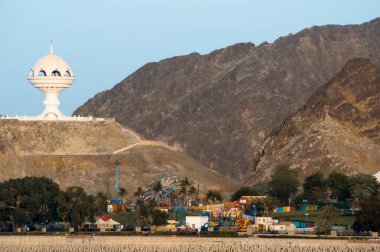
{"x":67,"y":74}
{"x":42,"y":73}
{"x":56,"y":73}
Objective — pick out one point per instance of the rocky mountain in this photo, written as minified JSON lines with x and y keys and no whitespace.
{"x":220,"y":106}
{"x":76,"y":154}
{"x":337,"y":130}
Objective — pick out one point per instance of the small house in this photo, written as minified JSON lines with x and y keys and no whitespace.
{"x":264,"y":223}
{"x":196,"y":222}
{"x":283,"y":227}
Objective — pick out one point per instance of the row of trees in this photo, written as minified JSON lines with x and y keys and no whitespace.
{"x":337,"y":187}
{"x":340,"y":188}
{"x":32,"y":200}
{"x":360,"y":192}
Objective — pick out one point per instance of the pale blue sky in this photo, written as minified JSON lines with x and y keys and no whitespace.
{"x":105,"y":41}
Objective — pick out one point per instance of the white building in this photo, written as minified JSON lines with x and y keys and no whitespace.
{"x":283,"y":227}
{"x":263,"y":223}
{"x":196,"y":222}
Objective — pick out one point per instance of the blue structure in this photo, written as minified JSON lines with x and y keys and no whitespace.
{"x":301,"y":224}
{"x":116,"y":163}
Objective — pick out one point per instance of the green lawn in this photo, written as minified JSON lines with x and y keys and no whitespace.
{"x":124,"y":218}
{"x":313,"y":215}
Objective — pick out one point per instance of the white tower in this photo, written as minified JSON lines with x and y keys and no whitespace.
{"x":51,"y":75}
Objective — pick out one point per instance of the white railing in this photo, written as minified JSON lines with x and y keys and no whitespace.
{"x":65,"y":118}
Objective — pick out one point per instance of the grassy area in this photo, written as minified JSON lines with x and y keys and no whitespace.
{"x":181,"y":216}
{"x":124,"y":218}
{"x":313,"y":215}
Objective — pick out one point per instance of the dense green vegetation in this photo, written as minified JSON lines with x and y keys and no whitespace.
{"x":39,"y":201}
{"x":283,"y":183}
{"x":213,"y":196}
{"x":148,"y":214}
{"x":343,"y":200}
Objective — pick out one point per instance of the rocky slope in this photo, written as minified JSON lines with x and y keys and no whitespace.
{"x":220,"y":106}
{"x":337,"y":130}
{"x":75,"y":154}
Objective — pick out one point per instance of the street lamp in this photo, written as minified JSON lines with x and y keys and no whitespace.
{"x":305,"y":203}
{"x":306,"y":214}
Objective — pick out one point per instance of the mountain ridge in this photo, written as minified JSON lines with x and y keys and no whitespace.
{"x":219,"y":107}
{"x":337,"y":129}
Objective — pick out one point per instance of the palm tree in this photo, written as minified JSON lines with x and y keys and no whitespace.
{"x":122,"y":192}
{"x":187,"y":188}
{"x":157,"y":188}
{"x":327,"y":217}
{"x":192,"y":191}
{"x":138,"y":192}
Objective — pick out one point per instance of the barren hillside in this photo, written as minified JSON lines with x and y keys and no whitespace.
{"x":74,"y":154}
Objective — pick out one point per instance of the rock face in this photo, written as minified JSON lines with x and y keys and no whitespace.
{"x":337,"y":130}
{"x":220,"y":106}
{"x":75,"y":154}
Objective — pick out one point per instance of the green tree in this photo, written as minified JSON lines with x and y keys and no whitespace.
{"x":270,"y":203}
{"x":340,"y":186}
{"x":28,"y":200}
{"x":265,"y":206}
{"x":315,"y":188}
{"x":369,"y":216}
{"x":187,"y":189}
{"x":283,"y":183}
{"x":244,"y":191}
{"x":101,"y":203}
{"x":326,"y":218}
{"x":144,"y":210}
{"x":214,"y":196}
{"x":75,"y":206}
{"x":363,"y":186}
{"x":159,"y":217}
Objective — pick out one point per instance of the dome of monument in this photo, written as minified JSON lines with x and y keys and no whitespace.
{"x":51,"y":65}
{"x":51,"y":75}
